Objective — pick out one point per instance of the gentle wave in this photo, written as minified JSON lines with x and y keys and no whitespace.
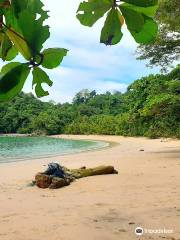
{"x":17,"y":148}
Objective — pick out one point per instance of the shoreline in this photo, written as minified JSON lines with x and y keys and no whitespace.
{"x":97,"y":148}
{"x":145,"y":193}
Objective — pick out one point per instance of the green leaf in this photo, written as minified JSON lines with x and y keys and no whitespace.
{"x":36,"y":7}
{"x":33,"y":31}
{"x":148,"y":32}
{"x":5,"y":47}
{"x":52,"y":57}
{"x":148,"y":11}
{"x":8,"y":51}
{"x":111,"y":33}
{"x":142,"y":3}
{"x":12,"y":53}
{"x":33,"y":6}
{"x":40,"y":77}
{"x":11,"y":20}
{"x":89,"y":12}
{"x":19,"y":43}
{"x":12,"y":79}
{"x":143,"y":28}
{"x":1,"y":37}
{"x":8,"y":67}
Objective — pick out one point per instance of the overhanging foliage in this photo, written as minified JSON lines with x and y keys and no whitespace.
{"x":22,"y":31}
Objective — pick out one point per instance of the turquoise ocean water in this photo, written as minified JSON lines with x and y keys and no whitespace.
{"x":23,"y":148}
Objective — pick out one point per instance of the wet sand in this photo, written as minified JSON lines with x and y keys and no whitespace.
{"x":145,"y":193}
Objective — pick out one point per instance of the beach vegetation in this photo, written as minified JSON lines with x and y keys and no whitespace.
{"x":165,"y":50}
{"x":150,"y":107}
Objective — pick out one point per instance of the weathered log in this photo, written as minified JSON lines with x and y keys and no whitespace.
{"x":50,"y":181}
{"x":86,"y":172}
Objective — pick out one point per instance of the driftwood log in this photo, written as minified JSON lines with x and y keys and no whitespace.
{"x":86,"y":172}
{"x":48,"y":180}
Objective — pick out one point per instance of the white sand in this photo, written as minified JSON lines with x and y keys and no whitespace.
{"x":145,"y":193}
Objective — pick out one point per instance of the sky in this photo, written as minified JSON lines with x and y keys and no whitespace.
{"x":89,"y":64}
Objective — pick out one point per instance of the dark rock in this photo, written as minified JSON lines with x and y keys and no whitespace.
{"x":54,"y":177}
{"x":58,"y":183}
{"x":55,"y":170}
{"x":43,"y":180}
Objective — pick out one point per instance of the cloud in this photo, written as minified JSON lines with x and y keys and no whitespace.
{"x":73,"y":80}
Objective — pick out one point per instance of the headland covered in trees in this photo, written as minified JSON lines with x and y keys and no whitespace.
{"x":150,"y":107}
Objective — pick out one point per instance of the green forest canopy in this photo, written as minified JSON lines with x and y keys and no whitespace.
{"x":150,"y":107}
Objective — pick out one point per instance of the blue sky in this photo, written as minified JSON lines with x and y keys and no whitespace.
{"x":89,"y":64}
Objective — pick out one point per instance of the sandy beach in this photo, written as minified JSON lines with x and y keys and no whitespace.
{"x":145,"y":193}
